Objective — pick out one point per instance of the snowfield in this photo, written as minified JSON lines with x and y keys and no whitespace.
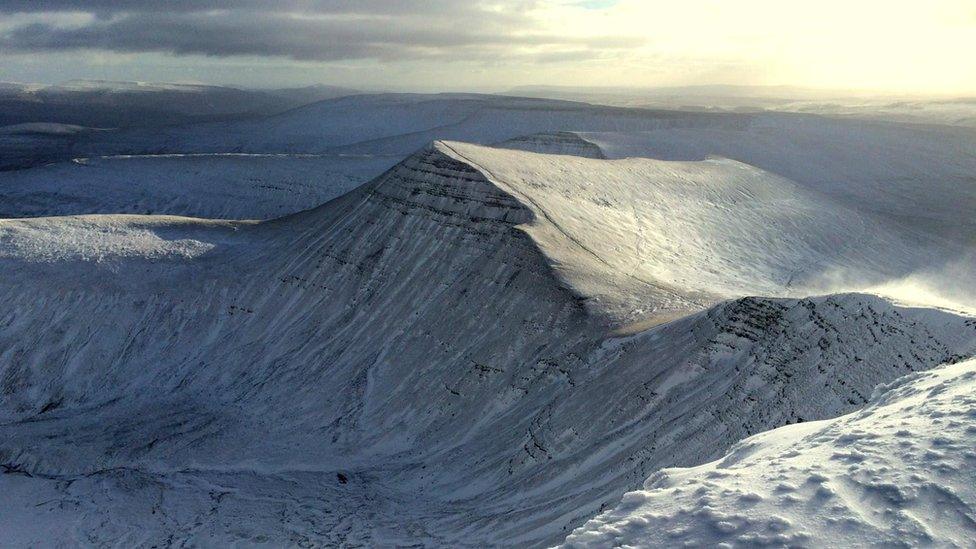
{"x":481,"y":345}
{"x":899,"y":472}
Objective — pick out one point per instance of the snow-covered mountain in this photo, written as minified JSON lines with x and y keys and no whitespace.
{"x":481,"y":346}
{"x":196,"y":169}
{"x":665,"y":234}
{"x":897,"y":472}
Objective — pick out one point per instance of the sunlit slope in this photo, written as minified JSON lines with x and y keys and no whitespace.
{"x":920,"y":176}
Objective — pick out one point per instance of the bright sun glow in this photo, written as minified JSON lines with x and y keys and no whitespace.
{"x":871,"y":44}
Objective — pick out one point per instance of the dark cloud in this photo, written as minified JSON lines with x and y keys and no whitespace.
{"x":189,"y":6}
{"x":324,"y":30}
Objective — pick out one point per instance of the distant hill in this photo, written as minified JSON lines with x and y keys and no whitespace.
{"x":109,"y":104}
{"x":943,"y":110}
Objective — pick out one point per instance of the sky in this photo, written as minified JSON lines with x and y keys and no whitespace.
{"x":900,"y":46}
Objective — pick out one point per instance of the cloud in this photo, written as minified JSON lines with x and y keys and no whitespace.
{"x":492,"y":44}
{"x":113,"y":7}
{"x":330,"y":30}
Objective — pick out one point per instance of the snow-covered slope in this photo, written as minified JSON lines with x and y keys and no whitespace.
{"x":919,"y":176}
{"x":518,"y":455}
{"x":42,"y":128}
{"x":224,"y":186}
{"x":665,"y":235}
{"x":899,"y":472}
{"x":951,"y":112}
{"x":32,"y":144}
{"x":444,"y":355}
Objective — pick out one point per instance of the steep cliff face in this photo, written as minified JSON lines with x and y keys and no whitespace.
{"x":416,"y":361}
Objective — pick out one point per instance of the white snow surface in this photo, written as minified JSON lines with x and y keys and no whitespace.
{"x":900,"y":472}
{"x":119,"y":86}
{"x":453,"y":354}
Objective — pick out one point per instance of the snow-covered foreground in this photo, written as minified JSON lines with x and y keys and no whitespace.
{"x":899,"y":472}
{"x":469,"y":350}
